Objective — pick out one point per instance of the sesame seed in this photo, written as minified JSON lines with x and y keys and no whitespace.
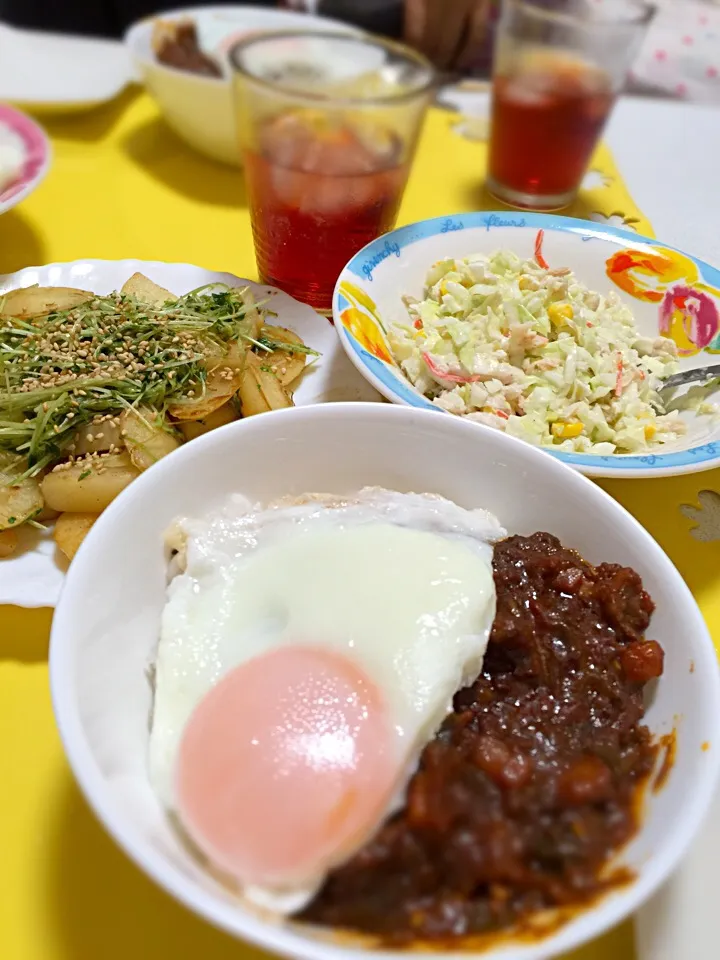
{"x":111,"y":339}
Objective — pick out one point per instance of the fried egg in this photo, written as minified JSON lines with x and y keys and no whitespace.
{"x":308,"y":652}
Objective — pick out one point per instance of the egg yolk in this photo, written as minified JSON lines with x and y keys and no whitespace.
{"x":286,"y":765}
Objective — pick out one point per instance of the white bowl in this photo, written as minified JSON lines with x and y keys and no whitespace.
{"x":106,"y":627}
{"x":652,"y":278}
{"x":200,"y":109}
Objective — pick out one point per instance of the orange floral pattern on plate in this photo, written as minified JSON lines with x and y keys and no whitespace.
{"x":647,"y":275}
{"x":367,"y":327}
{"x":687,"y":308}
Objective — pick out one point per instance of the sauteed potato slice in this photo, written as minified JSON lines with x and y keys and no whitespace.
{"x":39,"y":301}
{"x":70,"y":531}
{"x":19,"y":500}
{"x":146,"y":291}
{"x":147,"y":437}
{"x":88,"y":486}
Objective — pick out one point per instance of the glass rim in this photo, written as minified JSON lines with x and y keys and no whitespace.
{"x":640,"y":16}
{"x":319,"y":98}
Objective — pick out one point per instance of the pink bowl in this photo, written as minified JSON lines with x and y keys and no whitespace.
{"x":38,"y":154}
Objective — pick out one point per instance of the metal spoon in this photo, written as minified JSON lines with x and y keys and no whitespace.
{"x":691,"y":376}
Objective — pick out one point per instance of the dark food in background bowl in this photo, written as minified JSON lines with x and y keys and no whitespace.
{"x":176,"y":44}
{"x":533,"y":781}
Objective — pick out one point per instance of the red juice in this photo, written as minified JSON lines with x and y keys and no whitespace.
{"x":316,"y":197}
{"x":545,"y":125}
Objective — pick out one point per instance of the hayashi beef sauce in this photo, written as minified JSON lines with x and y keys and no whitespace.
{"x":532,"y":782}
{"x":176,"y":44}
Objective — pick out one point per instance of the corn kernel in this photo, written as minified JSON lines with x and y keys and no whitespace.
{"x":650,"y":431}
{"x":558,"y":312}
{"x":566,"y":430}
{"x":527,"y":283}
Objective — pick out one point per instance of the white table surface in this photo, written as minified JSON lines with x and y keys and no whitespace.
{"x":669,"y":156}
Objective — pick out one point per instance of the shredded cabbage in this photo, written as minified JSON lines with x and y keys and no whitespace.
{"x":533,"y":352}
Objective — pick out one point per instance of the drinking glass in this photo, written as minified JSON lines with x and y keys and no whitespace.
{"x":556,"y":76}
{"x":328,"y":124}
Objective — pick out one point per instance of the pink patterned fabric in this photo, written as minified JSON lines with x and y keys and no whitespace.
{"x":681,"y":53}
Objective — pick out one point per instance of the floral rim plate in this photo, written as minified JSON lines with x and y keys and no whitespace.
{"x":670,"y":293}
{"x":19,"y":127}
{"x":34,"y":575}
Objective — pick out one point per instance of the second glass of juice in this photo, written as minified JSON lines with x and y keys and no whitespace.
{"x":328,"y":126}
{"x":556,"y":75}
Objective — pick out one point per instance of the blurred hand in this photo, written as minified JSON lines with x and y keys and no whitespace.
{"x":448,"y":32}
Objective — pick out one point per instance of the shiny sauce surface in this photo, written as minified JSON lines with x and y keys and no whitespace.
{"x":532,"y":783}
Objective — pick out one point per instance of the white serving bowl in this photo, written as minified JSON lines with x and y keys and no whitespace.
{"x":655,"y":280}
{"x":200,"y":109}
{"x":106,"y":627}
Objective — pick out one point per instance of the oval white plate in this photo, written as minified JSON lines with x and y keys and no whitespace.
{"x":56,"y":73}
{"x":668,"y":291}
{"x":34,"y":575}
{"x":18,"y":127}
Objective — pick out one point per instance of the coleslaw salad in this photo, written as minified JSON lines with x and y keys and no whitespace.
{"x":532,"y":351}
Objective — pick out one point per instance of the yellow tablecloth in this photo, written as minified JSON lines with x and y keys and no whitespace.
{"x":123,"y":186}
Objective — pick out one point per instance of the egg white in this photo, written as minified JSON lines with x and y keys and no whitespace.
{"x":402,"y":583}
